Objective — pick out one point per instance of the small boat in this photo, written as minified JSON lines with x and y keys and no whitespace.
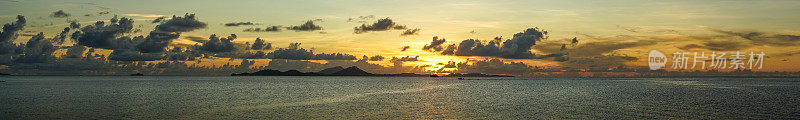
{"x":2,"y":81}
{"x":137,"y":74}
{"x":460,"y":78}
{"x":434,"y":75}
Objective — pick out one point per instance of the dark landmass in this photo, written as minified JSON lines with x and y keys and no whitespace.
{"x":353,"y":71}
{"x":5,"y":74}
{"x":137,"y":74}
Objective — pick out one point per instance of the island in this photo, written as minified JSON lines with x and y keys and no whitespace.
{"x":355,"y":71}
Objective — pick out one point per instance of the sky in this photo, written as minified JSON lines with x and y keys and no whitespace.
{"x":610,"y":32}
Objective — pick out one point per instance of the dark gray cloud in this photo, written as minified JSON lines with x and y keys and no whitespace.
{"x":63,"y":36}
{"x":435,"y":45}
{"x":156,"y":42}
{"x":181,"y":24}
{"x":9,"y":34}
{"x":761,"y":38}
{"x":37,"y":50}
{"x":74,"y":25}
{"x":267,"y":29}
{"x":60,"y":14}
{"x":294,"y":52}
{"x":216,"y":44}
{"x":494,"y":66}
{"x":380,"y":25}
{"x":199,"y":39}
{"x":516,"y":48}
{"x":405,"y":59}
{"x":308,"y":26}
{"x":159,"y":19}
{"x":102,"y":35}
{"x":260,"y":44}
{"x":130,"y":55}
{"x":361,"y":19}
{"x":404,"y":48}
{"x":75,"y":51}
{"x":376,"y":58}
{"x":717,"y":45}
{"x":414,"y":31}
{"x":233,"y":24}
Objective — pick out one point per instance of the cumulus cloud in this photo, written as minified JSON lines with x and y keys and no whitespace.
{"x":435,"y":45}
{"x":260,"y":44}
{"x":410,"y":32}
{"x":308,"y":26}
{"x":101,"y":35}
{"x":217,"y":44}
{"x":267,"y":29}
{"x":9,"y":34}
{"x":516,"y":48}
{"x":37,"y":50}
{"x":380,"y":25}
{"x":294,"y":52}
{"x":233,"y":24}
{"x":60,"y":14}
{"x":181,"y":24}
{"x":156,"y":42}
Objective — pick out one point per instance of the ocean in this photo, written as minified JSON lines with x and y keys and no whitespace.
{"x":321,"y":97}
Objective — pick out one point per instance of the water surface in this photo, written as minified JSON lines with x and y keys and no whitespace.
{"x":255,"y":97}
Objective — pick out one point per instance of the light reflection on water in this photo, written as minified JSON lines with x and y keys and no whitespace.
{"x":122,"y":97}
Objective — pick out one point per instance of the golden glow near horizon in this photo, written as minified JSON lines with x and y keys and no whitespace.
{"x":601,"y":26}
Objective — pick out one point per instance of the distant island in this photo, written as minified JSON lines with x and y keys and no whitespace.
{"x":354,"y":71}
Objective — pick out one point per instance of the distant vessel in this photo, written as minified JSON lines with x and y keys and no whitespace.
{"x":137,"y":74}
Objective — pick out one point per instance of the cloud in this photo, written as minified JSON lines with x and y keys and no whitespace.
{"x":361,"y":19}
{"x":405,"y":59}
{"x":102,"y":35}
{"x":260,"y":44}
{"x":294,"y":52}
{"x":159,"y":19}
{"x":435,"y":45}
{"x":717,"y":45}
{"x":760,"y":38}
{"x":405,"y":48}
{"x":238,"y":24}
{"x":195,"y":38}
{"x":156,"y":42}
{"x":9,"y":34}
{"x":373,"y":58}
{"x":493,"y":66}
{"x":380,"y":25}
{"x":267,"y":29}
{"x":60,"y":14}
{"x":129,"y":55}
{"x":217,"y":44}
{"x":74,"y":25}
{"x":141,"y":15}
{"x":37,"y":50}
{"x":414,"y":31}
{"x":308,"y":26}
{"x":181,"y":24}
{"x":516,"y":48}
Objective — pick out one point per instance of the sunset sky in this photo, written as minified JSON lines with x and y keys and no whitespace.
{"x":608,"y":32}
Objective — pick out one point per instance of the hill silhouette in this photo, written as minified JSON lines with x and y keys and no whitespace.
{"x":349,"y":71}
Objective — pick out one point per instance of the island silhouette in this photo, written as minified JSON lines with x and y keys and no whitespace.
{"x":354,"y":71}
